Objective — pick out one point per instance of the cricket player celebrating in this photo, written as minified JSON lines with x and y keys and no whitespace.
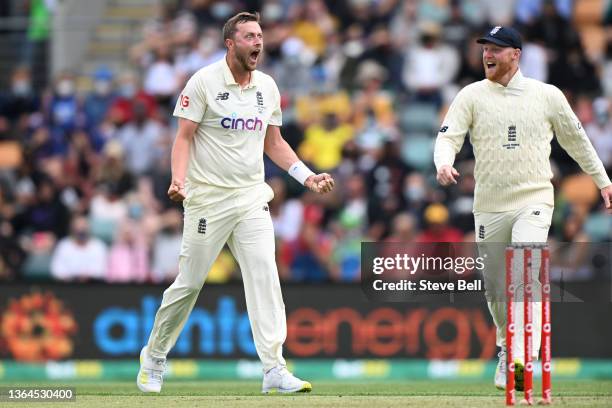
{"x":229,"y":115}
{"x":512,"y":120}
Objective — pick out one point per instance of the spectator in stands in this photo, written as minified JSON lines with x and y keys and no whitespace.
{"x":461,"y":200}
{"x":166,"y":247}
{"x":471,"y":69}
{"x":404,"y":228}
{"x":573,"y":72}
{"x":112,"y":169}
{"x":287,"y":214}
{"x":171,"y":27}
{"x":129,"y":92}
{"x":381,"y":49}
{"x":63,"y":111}
{"x":81,"y":160}
{"x":528,"y":11}
{"x":457,"y":29}
{"x":349,"y":231}
{"x":98,"y":102}
{"x":212,"y":13}
{"x":11,"y":254}
{"x":534,"y":60}
{"x":416,"y":193}
{"x":437,"y":226}
{"x":160,"y":78}
{"x":108,"y":210}
{"x":313,"y":24}
{"x":21,"y":99}
{"x":385,"y":183}
{"x":404,"y":27}
{"x":45,"y":213}
{"x":322,"y":145}
{"x":79,"y":256}
{"x":600,"y":131}
{"x":307,"y":258}
{"x":140,"y":140}
{"x":371,"y":98}
{"x":572,"y":251}
{"x":430,"y":66}
{"x":129,"y":255}
{"x":293,"y":68}
{"x":606,"y":68}
{"x":204,"y":51}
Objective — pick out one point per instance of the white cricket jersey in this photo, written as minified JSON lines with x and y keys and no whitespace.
{"x":227,"y":149}
{"x":510,"y":130}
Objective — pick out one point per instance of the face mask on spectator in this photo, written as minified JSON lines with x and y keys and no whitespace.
{"x":272,"y":12}
{"x":170,"y":230}
{"x":601,"y":118}
{"x":207,"y":45}
{"x":127,"y":90}
{"x":81,"y":235}
{"x":22,"y":87}
{"x":102,"y":87}
{"x":65,"y":87}
{"x":135,"y":211}
{"x":414,"y":193}
{"x":221,"y":10}
{"x":353,"y":49}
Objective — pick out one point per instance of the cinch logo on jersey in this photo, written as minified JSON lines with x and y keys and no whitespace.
{"x":242,"y":124}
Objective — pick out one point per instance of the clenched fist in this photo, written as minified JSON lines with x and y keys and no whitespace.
{"x":320,"y":183}
{"x":176,"y":192}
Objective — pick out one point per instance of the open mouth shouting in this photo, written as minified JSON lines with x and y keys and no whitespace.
{"x":490,"y":65}
{"x":254,"y":56}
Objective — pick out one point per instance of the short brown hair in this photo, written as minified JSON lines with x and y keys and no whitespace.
{"x":229,"y":28}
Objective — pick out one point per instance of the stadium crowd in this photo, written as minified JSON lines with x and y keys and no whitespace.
{"x":84,"y":173}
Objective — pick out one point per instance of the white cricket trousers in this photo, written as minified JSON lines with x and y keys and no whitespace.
{"x":494,"y":231}
{"x":241,"y":218}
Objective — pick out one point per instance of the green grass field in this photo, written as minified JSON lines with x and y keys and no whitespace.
{"x":423,"y":394}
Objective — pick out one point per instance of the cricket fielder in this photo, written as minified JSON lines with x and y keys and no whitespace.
{"x":512,"y":120}
{"x":229,"y":115}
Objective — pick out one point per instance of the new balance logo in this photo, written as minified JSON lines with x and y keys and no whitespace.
{"x":222,"y":96}
{"x":512,"y":133}
{"x":481,"y":232}
{"x":266,"y":208}
{"x":536,"y":212}
{"x":443,"y":129}
{"x":202,"y":226}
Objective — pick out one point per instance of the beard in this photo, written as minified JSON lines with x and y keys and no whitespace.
{"x":496,"y":73}
{"x":244,"y":59}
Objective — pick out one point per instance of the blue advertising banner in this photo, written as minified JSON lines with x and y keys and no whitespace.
{"x":56,"y":322}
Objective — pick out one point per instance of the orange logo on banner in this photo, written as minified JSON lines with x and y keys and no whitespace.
{"x":385,"y":332}
{"x":37,"y":327}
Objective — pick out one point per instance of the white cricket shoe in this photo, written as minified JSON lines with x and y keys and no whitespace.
{"x":500,"y":371}
{"x":279,"y":379}
{"x":151,"y":375}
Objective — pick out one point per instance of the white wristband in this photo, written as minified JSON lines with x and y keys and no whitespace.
{"x":300,"y":172}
